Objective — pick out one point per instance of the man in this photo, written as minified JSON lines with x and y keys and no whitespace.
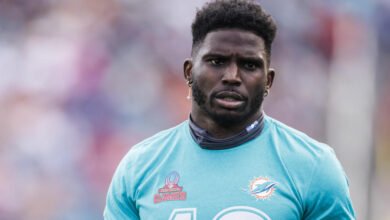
{"x":229,"y":160}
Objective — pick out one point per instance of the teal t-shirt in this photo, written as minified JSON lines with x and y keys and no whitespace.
{"x":281,"y":174}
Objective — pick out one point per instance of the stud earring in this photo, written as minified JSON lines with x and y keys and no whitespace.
{"x":189,"y":83}
{"x":266,"y":93}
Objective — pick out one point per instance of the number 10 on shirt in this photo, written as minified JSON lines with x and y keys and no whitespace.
{"x":231,"y":213}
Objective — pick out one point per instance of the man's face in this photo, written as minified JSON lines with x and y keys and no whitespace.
{"x":229,"y":74}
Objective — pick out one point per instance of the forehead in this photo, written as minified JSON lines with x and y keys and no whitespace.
{"x":231,"y":41}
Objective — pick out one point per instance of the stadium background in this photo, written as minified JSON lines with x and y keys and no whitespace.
{"x":82,"y":81}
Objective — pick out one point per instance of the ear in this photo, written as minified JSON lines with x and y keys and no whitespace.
{"x":270,"y":78}
{"x":187,"y":69}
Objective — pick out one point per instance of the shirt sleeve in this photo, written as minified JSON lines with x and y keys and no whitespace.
{"x":327,"y":195}
{"x":119,"y":204}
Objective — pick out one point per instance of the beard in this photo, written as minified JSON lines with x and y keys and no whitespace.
{"x":230,"y":118}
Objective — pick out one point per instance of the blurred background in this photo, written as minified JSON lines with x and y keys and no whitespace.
{"x":82,"y":81}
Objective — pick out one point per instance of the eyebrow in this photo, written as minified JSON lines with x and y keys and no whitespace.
{"x":207,"y":55}
{"x":254,"y":59}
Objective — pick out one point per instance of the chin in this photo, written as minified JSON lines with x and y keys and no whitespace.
{"x":228,"y":119}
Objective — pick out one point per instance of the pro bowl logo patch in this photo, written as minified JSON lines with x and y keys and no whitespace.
{"x":261,"y":188}
{"x":171,"y":191}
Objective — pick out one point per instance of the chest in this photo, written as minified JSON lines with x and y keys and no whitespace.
{"x":219,"y":186}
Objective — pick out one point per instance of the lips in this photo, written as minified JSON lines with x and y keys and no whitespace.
{"x":229,"y":99}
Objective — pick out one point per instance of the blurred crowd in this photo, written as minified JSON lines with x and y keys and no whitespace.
{"x":82,"y":81}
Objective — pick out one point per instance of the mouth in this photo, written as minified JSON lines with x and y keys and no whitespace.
{"x":229,"y":99}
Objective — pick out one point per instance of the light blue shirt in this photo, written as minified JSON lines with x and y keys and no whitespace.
{"x":281,"y":174}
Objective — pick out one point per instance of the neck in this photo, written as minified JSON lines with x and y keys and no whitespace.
{"x":221,"y":131}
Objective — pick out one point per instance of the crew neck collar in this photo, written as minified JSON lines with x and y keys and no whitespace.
{"x":206,"y":141}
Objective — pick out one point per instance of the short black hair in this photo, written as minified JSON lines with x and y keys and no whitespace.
{"x":241,"y":14}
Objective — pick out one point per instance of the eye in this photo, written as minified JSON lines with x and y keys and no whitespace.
{"x":250,"y":66}
{"x":216,"y":61}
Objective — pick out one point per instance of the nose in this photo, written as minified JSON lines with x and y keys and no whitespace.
{"x":232,"y":75}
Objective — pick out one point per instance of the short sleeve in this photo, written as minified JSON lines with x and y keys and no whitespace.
{"x":118,"y":204}
{"x":327,"y":195}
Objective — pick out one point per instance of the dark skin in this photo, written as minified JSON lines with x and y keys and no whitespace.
{"x":231,"y":74}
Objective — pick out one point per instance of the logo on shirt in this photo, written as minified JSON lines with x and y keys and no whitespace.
{"x":261,"y":188}
{"x":171,"y":191}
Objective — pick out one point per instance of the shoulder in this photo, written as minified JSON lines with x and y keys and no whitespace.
{"x":296,"y":142}
{"x":158,"y":138}
{"x":144,"y":157}
{"x":155,"y":144}
{"x":317,"y":172}
{"x":305,"y":158}
{"x":302,"y":154}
